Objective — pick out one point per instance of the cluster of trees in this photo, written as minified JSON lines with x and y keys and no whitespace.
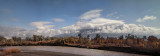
{"x":121,"y":41}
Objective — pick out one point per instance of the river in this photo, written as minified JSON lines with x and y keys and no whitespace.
{"x":72,"y":50}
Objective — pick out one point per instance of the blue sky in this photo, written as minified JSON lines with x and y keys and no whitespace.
{"x":21,"y":13}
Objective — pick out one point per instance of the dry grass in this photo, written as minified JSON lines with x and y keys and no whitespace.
{"x":10,"y":51}
{"x":2,"y":54}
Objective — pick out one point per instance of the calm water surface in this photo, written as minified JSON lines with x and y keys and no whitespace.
{"x":72,"y":50}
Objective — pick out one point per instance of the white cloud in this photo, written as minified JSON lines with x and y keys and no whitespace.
{"x":42,"y":28}
{"x":102,"y":26}
{"x":145,"y":18}
{"x":108,"y":26}
{"x":41,"y":25}
{"x":58,"y":19}
{"x":97,"y":24}
{"x":111,"y":14}
{"x":12,"y":31}
{"x":21,"y":32}
{"x":91,"y":14}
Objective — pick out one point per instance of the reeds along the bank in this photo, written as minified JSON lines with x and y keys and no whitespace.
{"x":9,"y":51}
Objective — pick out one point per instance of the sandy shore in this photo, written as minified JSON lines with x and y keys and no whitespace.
{"x":43,"y":53}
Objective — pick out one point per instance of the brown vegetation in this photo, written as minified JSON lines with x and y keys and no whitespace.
{"x":128,"y":43}
{"x":9,"y":51}
{"x":12,"y":50}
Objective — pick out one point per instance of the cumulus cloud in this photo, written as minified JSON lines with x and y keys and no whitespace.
{"x":108,"y":26}
{"x":96,"y":24}
{"x":8,"y":32}
{"x":145,"y":18}
{"x":42,"y":28}
{"x":58,"y":19}
{"x":91,"y":14}
{"x":12,"y":31}
{"x":41,"y":25}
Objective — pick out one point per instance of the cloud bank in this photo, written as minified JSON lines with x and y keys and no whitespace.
{"x":91,"y":14}
{"x":95,"y":25}
{"x":108,"y":26}
{"x":58,"y":19}
{"x":145,"y":18}
{"x":42,"y":25}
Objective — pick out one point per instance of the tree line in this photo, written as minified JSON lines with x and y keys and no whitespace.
{"x":121,"y":41}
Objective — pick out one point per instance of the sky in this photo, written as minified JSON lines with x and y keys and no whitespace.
{"x":59,"y":17}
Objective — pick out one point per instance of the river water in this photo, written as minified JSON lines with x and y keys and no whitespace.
{"x":72,"y":50}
